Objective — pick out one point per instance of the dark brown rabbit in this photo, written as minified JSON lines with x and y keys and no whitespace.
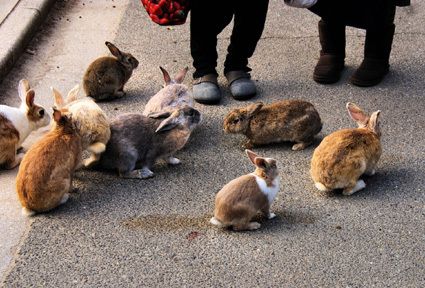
{"x":105,"y":77}
{"x":287,"y":120}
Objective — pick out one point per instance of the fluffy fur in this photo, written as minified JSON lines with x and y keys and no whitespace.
{"x":17,"y":123}
{"x":105,"y":77}
{"x":93,"y":122}
{"x":345,"y":155}
{"x":138,"y":141}
{"x":45,"y":176}
{"x":239,"y":201}
{"x":173,"y":95}
{"x":286,"y":120}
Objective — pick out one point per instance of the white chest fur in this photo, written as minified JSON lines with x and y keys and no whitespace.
{"x":269,"y":191}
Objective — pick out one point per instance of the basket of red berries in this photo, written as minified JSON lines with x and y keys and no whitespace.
{"x":167,"y":12}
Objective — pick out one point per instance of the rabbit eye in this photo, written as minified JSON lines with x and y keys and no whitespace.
{"x":236,"y":121}
{"x":41,"y":113}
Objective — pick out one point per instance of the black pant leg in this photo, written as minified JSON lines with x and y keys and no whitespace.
{"x":249,"y":20}
{"x":208,"y":18}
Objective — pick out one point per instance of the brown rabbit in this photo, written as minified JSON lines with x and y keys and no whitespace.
{"x":45,"y":175}
{"x":286,"y":120}
{"x":343,"y":156}
{"x":239,"y":201}
{"x":105,"y":77}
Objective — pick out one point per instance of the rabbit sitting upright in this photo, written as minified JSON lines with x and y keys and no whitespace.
{"x":105,"y":77}
{"x":138,"y":141}
{"x":286,"y":120}
{"x":17,"y":123}
{"x":45,"y":176}
{"x":239,"y":201}
{"x":94,"y":124}
{"x":173,"y":95}
{"x":345,"y":155}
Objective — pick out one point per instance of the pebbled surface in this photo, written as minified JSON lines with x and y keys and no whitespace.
{"x":155,"y":233}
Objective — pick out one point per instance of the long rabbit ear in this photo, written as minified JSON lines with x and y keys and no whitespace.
{"x":73,"y":94}
{"x":180,"y":77}
{"x":57,"y":115}
{"x":169,"y":123}
{"x":114,"y":50}
{"x":162,"y":114}
{"x":29,"y":99}
{"x":251,"y":155}
{"x":374,"y":122}
{"x":23,"y":87}
{"x":254,"y":108}
{"x":59,"y":103}
{"x":167,"y":78}
{"x":357,"y":114}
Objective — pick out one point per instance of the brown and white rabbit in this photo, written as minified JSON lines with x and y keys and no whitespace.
{"x":343,"y":156}
{"x":138,"y":141}
{"x":93,"y":122}
{"x":173,"y":95}
{"x":287,"y":120}
{"x":239,"y":201}
{"x":45,"y":174}
{"x":17,"y":123}
{"x":106,"y":76}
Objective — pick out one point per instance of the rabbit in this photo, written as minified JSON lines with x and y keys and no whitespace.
{"x":105,"y":77}
{"x":286,"y":120}
{"x":174,"y":94}
{"x":343,"y":156}
{"x":94,"y":124}
{"x":239,"y":201}
{"x":17,"y":123}
{"x":44,"y":178}
{"x":138,"y":141}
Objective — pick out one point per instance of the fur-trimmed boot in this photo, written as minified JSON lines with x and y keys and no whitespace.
{"x":331,"y":62}
{"x":377,"y":52}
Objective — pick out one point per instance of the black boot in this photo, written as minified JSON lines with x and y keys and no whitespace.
{"x":331,"y":62}
{"x":377,"y":52}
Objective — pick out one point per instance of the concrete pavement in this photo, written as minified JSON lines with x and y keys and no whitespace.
{"x":154,"y":233}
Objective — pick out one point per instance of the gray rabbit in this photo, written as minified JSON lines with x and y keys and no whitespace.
{"x":138,"y":141}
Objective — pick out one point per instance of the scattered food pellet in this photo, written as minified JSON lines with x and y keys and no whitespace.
{"x":338,"y":227}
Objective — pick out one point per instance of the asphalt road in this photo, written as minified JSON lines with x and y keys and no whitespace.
{"x":155,"y":233}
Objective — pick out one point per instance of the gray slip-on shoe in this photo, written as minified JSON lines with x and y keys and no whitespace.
{"x":240,"y":84}
{"x":206,"y":90}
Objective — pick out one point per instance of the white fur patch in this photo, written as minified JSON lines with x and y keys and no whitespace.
{"x":321,"y":187}
{"x":215,"y":222}
{"x":27,"y":212}
{"x":269,"y":191}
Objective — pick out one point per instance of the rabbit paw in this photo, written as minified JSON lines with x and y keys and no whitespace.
{"x":360,"y":184}
{"x":173,"y":161}
{"x":254,"y":226}
{"x":271,"y":215}
{"x":146,"y":173}
{"x":300,"y":146}
{"x":65,"y":198}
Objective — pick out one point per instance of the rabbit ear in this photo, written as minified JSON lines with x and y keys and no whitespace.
{"x":254,"y":108}
{"x":23,"y":87}
{"x":169,"y":123}
{"x":260,"y":162}
{"x":251,"y":155}
{"x":29,"y":99}
{"x":161,"y":114}
{"x":73,"y":94}
{"x":57,"y":115}
{"x":180,"y":77}
{"x":167,"y":78}
{"x":58,"y":98}
{"x":374,"y":122}
{"x":114,"y":50}
{"x":357,"y":114}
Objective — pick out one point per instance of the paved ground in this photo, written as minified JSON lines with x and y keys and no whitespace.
{"x":155,"y":233}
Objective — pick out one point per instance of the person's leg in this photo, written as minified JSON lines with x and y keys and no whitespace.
{"x":208,"y":19}
{"x":248,"y":26}
{"x":377,"y":50}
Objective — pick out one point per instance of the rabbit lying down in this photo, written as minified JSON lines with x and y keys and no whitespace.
{"x":137,"y":141}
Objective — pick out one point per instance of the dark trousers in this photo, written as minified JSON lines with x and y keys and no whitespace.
{"x":209,"y":18}
{"x":364,"y":14}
